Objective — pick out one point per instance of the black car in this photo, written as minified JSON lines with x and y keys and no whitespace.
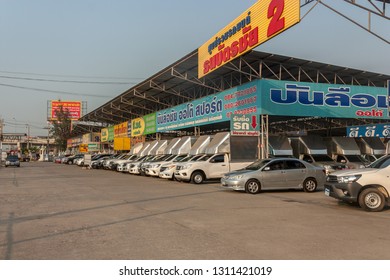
{"x":71,"y":159}
{"x":12,"y":160}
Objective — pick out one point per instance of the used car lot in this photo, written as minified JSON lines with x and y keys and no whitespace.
{"x":51,"y":211}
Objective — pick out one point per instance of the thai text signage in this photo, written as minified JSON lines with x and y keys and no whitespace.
{"x":83,"y":148}
{"x":374,"y":130}
{"x":104,"y":133}
{"x":144,"y":125}
{"x":120,"y":130}
{"x":107,"y":134}
{"x":73,"y":107}
{"x":264,"y":20}
{"x":111,"y":134}
{"x":244,"y":125}
{"x":210,"y":109}
{"x":323,"y":100}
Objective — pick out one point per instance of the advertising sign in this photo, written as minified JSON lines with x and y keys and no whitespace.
{"x":144,"y":125}
{"x":122,"y":144}
{"x":264,"y":20}
{"x":210,"y":109}
{"x":111,"y":134}
{"x":286,"y":98}
{"x":374,"y":130}
{"x":244,"y":125}
{"x":73,"y":107}
{"x":104,"y":134}
{"x":83,"y":148}
{"x":93,"y":147}
{"x":120,"y":130}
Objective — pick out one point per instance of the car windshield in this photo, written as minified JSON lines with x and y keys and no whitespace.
{"x":162,"y":158}
{"x":355,"y":158}
{"x":181,"y":158}
{"x":141,"y":158}
{"x":204,"y":158}
{"x":195,"y":158}
{"x":257,"y":164}
{"x":322,"y":158}
{"x":12,"y":157}
{"x":381,"y":163}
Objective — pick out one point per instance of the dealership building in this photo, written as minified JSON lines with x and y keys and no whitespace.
{"x":225,"y":78}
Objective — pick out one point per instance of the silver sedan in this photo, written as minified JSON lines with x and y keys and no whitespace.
{"x":275,"y":173}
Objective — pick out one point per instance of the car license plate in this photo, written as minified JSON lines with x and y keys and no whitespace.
{"x":327,"y":191}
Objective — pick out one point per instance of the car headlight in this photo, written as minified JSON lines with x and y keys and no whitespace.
{"x":235,"y":177}
{"x":186,"y":166}
{"x":155,"y":165}
{"x":348,"y":179}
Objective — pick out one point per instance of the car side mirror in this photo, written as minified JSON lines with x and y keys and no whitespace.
{"x":343,"y":161}
{"x":267,"y":168}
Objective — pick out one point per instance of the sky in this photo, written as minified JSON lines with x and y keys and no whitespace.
{"x":94,"y":50}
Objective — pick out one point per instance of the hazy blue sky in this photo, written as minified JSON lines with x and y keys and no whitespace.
{"x":127,"y":41}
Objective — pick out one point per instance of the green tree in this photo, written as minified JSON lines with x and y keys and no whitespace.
{"x":61,"y":128}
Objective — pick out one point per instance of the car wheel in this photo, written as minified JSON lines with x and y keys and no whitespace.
{"x":310,"y":185}
{"x":252,"y":186}
{"x":70,"y":162}
{"x":372,"y":200}
{"x":197,"y":177}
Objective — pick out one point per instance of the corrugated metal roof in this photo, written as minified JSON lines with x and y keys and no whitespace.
{"x":178,"y":83}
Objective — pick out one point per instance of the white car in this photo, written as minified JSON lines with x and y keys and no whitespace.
{"x":153,"y":168}
{"x":167,"y":170}
{"x":370,"y":187}
{"x":135,"y":167}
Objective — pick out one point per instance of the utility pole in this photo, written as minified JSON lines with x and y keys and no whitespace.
{"x":28,"y":137}
{"x":1,"y":141}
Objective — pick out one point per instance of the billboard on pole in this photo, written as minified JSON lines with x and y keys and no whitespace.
{"x":73,"y":107}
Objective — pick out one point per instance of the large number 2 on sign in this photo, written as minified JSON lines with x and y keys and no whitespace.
{"x":275,"y":11}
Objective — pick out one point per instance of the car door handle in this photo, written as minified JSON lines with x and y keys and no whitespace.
{"x":223,"y":164}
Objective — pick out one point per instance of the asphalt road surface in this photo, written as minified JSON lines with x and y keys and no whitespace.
{"x":58,"y":212}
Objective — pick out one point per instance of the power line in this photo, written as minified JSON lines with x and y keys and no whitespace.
{"x":73,"y":76}
{"x":68,"y":81}
{"x":56,"y":91}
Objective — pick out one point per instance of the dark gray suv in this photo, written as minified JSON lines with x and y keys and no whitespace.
{"x":12,"y":160}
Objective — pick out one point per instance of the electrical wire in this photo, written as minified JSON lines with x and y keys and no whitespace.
{"x":56,"y":91}
{"x":68,"y":81}
{"x":72,"y":76}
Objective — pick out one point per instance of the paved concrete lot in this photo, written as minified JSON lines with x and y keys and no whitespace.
{"x":52,"y":211}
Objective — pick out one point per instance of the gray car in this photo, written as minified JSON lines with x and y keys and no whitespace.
{"x":274,"y":174}
{"x":12,"y":160}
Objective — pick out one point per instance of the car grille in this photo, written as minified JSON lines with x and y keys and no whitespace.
{"x":331,"y":179}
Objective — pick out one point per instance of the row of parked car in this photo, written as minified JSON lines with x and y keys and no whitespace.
{"x":203,"y":158}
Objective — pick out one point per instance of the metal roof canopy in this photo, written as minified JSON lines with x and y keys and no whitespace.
{"x":178,"y":83}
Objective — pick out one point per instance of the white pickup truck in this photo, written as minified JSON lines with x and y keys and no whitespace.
{"x":370,"y":187}
{"x":207,"y":167}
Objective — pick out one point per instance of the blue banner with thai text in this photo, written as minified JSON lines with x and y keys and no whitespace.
{"x":374,"y":130}
{"x":287,"y":98}
{"x":214,"y":108}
